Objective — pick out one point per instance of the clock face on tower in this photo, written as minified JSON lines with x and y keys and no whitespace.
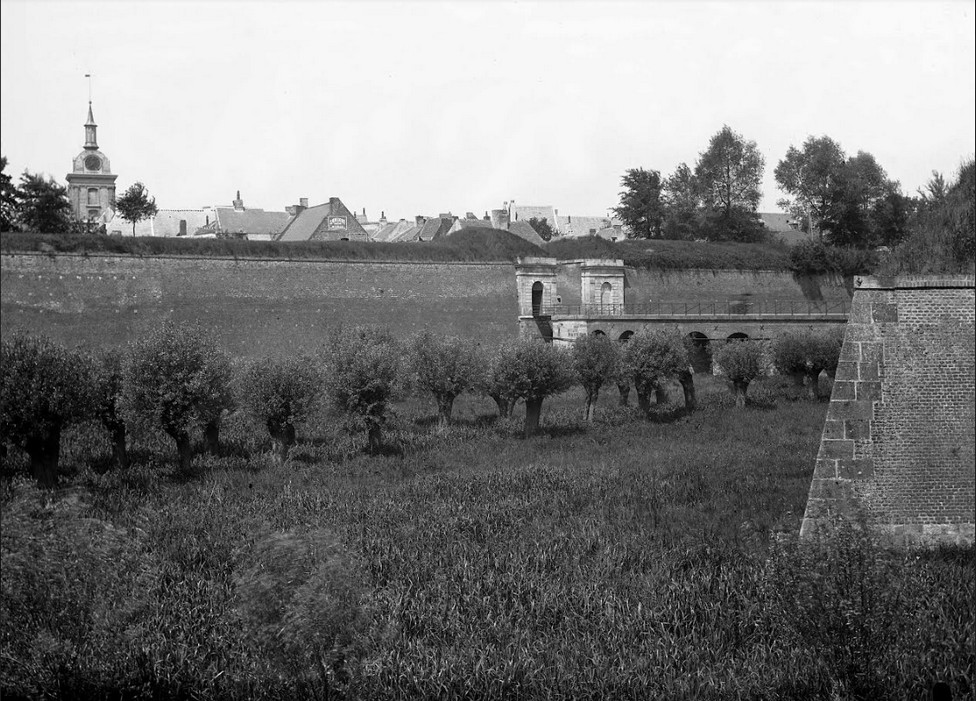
{"x":93,"y":163}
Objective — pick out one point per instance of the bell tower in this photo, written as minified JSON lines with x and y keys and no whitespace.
{"x":91,"y":184}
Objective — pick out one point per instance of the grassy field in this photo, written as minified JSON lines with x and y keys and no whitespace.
{"x":631,"y":558}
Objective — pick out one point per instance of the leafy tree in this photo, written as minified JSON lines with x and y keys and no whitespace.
{"x":365,"y":373}
{"x":652,"y":356}
{"x":542,"y":227}
{"x":640,"y":203}
{"x":107,"y":369}
{"x":43,"y":205}
{"x":812,"y":176}
{"x":741,"y":361}
{"x":280,"y":393}
{"x":729,"y":177}
{"x":135,"y":204}
{"x":8,"y":199}
{"x":176,"y":379}
{"x":596,"y":361}
{"x":682,"y":205}
{"x":942,"y":236}
{"x":445,"y":367}
{"x":805,"y":355}
{"x":533,"y":370}
{"x":43,"y":388}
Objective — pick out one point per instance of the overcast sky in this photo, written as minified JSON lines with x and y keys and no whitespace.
{"x":423,"y":107}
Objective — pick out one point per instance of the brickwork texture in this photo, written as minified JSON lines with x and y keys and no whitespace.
{"x":897,"y":452}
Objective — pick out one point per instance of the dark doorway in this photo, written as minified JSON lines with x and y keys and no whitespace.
{"x":699,"y":352}
{"x":626,"y":336}
{"x":537,"y":298}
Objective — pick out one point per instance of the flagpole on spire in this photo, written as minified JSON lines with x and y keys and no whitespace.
{"x":88,"y":75}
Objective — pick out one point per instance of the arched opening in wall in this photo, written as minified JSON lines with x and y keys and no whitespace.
{"x":626,"y":336}
{"x":537,"y":298}
{"x":699,"y":352}
{"x":598,"y":332}
{"x":606,"y":295}
{"x":737,"y":336}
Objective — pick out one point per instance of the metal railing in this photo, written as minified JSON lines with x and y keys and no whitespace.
{"x":727,"y":308}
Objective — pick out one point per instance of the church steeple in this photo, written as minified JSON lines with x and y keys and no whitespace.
{"x":91,"y":141}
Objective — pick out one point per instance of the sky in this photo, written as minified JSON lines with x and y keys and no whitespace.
{"x":425,"y":107}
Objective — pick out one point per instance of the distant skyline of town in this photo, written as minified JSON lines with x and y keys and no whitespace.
{"x":543,"y":103}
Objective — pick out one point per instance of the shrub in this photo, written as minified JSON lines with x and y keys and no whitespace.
{"x":107,"y":366}
{"x":44,"y":388}
{"x":533,"y":370}
{"x":279,"y":394}
{"x":596,"y":361}
{"x":365,"y":373}
{"x":817,"y":258}
{"x":806,"y":355}
{"x":178,"y":380}
{"x":652,"y":356}
{"x":742,"y":362}
{"x":445,"y":367}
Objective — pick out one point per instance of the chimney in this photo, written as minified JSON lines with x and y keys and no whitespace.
{"x":303,"y":202}
{"x":420,"y":219}
{"x":500,"y":219}
{"x":239,"y":203}
{"x":182,"y":228}
{"x":382,"y":216}
{"x":487,"y":218}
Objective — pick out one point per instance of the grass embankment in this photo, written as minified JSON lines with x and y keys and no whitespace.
{"x":675,"y":255}
{"x":472,"y":245}
{"x":627,"y":559}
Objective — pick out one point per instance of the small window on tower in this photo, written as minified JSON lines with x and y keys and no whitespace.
{"x":93,"y":196}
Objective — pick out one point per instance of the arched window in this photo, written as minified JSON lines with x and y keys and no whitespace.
{"x":537,"y":288}
{"x":598,"y":332}
{"x":606,"y":295}
{"x":738,"y":336}
{"x":626,"y":336}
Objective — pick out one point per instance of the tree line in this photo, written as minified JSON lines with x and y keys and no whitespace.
{"x":40,"y":204}
{"x":176,"y":380}
{"x":845,"y":201}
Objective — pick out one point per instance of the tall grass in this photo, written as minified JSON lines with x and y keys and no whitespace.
{"x":628,"y":558}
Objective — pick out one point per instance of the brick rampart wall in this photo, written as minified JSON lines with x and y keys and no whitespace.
{"x":256,"y":307}
{"x":898,"y":441}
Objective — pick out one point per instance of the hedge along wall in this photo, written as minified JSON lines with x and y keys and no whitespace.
{"x":256,"y":307}
{"x":898,"y":441}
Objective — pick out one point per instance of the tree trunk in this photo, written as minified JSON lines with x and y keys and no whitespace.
{"x":661,"y":395}
{"x":184,"y":450}
{"x":504,"y":406}
{"x":590,"y":411}
{"x":644,"y":401}
{"x":624,"y":389}
{"x":282,"y":439}
{"x":445,"y":406}
{"x":533,"y":410}
{"x":119,"y":450}
{"x":687,"y":380}
{"x":374,"y":438}
{"x":813,"y":385}
{"x":739,"y":388}
{"x":44,"y":458}
{"x":211,"y":436}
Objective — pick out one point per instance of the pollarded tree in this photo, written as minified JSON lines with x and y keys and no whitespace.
{"x":365,"y":372}
{"x":741,"y":361}
{"x":596,"y":360}
{"x":790,"y":355}
{"x":652,"y":356}
{"x":135,"y":204}
{"x":176,"y":379}
{"x":533,"y":370}
{"x":445,"y":366}
{"x":805,"y":355}
{"x":280,"y":394}
{"x":43,"y":388}
{"x":494,"y":379}
{"x":108,"y":401}
{"x":640,"y":205}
